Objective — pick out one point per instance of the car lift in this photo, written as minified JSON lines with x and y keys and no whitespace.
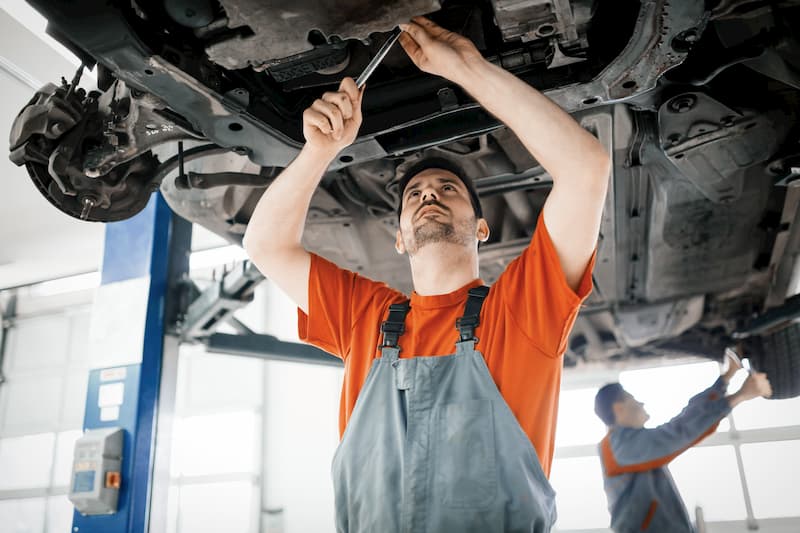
{"x":216,"y":306}
{"x":133,"y":374}
{"x":144,"y":280}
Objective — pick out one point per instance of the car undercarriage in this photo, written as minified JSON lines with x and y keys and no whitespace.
{"x":697,"y":103}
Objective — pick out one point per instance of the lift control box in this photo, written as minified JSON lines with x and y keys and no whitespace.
{"x":96,"y":471}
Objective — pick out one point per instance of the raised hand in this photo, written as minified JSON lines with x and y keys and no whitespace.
{"x":438,"y":51}
{"x":756,"y":385}
{"x":332,"y":122}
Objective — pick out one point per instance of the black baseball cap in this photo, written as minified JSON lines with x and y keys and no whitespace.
{"x":443,"y":164}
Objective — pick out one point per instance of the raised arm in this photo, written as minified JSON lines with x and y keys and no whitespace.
{"x":577,"y":162}
{"x":627,"y":449}
{"x":274,"y":233}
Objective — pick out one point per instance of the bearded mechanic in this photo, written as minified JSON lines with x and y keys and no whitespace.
{"x":460,"y":442}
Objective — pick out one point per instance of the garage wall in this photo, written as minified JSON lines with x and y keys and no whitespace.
{"x":216,"y":456}
{"x":253,"y":439}
{"x":41,"y":413}
{"x":32,"y":231}
{"x":215,"y":472}
{"x":216,"y":449}
{"x":301,"y":437}
{"x":218,"y":452}
{"x":300,"y":431}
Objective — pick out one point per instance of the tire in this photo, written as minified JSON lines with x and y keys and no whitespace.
{"x":778,"y":355}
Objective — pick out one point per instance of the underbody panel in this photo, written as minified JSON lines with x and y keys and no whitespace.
{"x":698,"y":105}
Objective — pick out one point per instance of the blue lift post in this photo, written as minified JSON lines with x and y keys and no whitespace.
{"x":152,"y":246}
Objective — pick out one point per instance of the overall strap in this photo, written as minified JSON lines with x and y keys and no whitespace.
{"x":472,"y":311}
{"x":395,"y":325}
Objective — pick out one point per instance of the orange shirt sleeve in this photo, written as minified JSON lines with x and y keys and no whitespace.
{"x":337,"y":298}
{"x":538,"y":299}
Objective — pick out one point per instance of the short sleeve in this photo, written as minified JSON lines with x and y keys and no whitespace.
{"x":336,"y":298}
{"x":537,"y":297}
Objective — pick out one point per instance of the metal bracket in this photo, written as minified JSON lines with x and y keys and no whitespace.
{"x":772,"y":319}
{"x":786,"y":171}
{"x":215,"y":306}
{"x":217,"y":303}
{"x":270,"y":348}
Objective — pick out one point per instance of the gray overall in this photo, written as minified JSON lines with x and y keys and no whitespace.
{"x":647,"y":499}
{"x":432,"y":446}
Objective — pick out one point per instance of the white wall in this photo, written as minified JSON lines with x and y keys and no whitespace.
{"x":32,"y":231}
{"x":216,"y":444}
{"x":41,"y":413}
{"x":301,"y":430}
{"x":301,"y":437}
{"x":262,"y":430}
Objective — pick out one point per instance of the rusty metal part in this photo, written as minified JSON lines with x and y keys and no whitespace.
{"x":50,"y":113}
{"x":728,"y":8}
{"x":786,"y":250}
{"x":190,"y":13}
{"x":198,"y":180}
{"x":133,"y":126}
{"x":712,"y":144}
{"x":544,"y":19}
{"x":90,"y":154}
{"x":120,"y":194}
{"x":656,"y":46}
{"x":330,"y":59}
{"x":283,"y":30}
{"x":771,"y":319}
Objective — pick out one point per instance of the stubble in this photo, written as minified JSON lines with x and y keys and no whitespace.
{"x":434,"y":232}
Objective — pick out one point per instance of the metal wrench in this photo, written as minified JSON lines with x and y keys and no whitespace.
{"x":730,"y":352}
{"x":373,"y":64}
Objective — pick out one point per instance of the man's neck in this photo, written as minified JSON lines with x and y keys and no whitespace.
{"x":443,"y":268}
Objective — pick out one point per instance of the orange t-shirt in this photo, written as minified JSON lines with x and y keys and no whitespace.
{"x":524,"y":325}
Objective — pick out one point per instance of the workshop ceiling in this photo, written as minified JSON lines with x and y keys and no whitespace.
{"x":37,"y":242}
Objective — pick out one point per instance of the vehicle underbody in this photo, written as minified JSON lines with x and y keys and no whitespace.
{"x":697,"y":103}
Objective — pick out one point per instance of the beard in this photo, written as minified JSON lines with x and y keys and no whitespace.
{"x":433,"y":231}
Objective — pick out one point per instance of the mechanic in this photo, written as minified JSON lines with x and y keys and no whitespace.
{"x":641,"y":492}
{"x":450,"y":443}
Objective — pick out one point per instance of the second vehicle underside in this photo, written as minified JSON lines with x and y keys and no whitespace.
{"x":697,"y":103}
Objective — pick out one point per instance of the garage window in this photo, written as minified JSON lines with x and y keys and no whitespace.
{"x":577,"y":423}
{"x":708,"y":477}
{"x":578,"y":483}
{"x":772,"y":470}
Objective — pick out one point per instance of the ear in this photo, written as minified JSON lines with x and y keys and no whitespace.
{"x":482,"y":232}
{"x":618,"y":408}
{"x":398,"y":244}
